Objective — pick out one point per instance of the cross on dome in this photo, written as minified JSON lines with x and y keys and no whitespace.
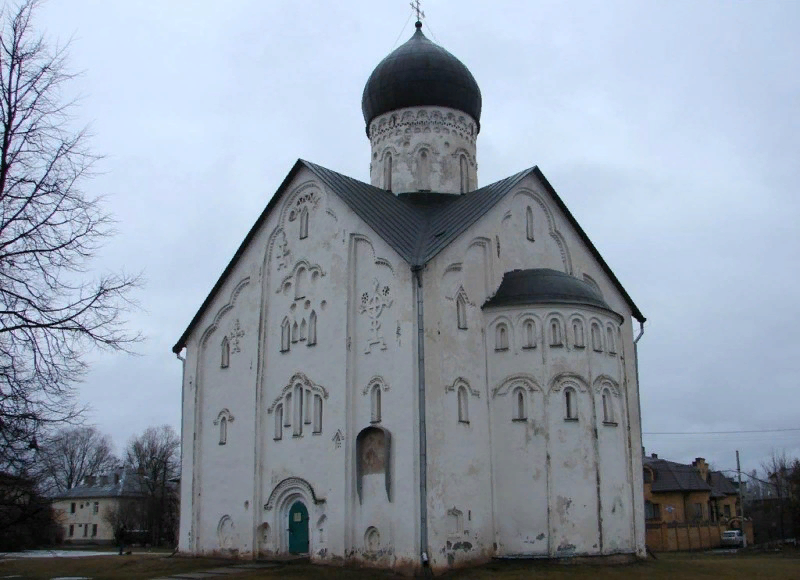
{"x":416,"y":7}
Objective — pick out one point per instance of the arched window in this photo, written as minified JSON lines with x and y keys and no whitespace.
{"x":317,"y":414}
{"x":375,"y":398}
{"x":529,"y":331}
{"x":312,"y":329}
{"x":307,"y":409}
{"x":501,"y":337}
{"x":286,"y":336}
{"x":300,"y":284}
{"x":464,"y":165}
{"x":387,"y":172}
{"x":608,"y":408}
{"x":304,"y":223}
{"x":463,"y":405}
{"x":597,"y":338}
{"x":570,"y":404}
{"x":610,"y":343}
{"x":223,"y":431}
{"x":577,"y":333}
{"x":278,"y":422}
{"x":303,"y":330}
{"x":556,"y":338}
{"x":518,"y":400}
{"x":226,"y":353}
{"x":295,"y":332}
{"x":461,"y":312}
{"x":424,"y":171}
{"x":529,"y":223}
{"x":287,"y":415}
{"x":298,"y":411}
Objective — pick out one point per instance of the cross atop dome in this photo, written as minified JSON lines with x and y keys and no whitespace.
{"x":415,"y":5}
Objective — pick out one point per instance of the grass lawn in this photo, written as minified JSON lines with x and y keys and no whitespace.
{"x":683,"y":566}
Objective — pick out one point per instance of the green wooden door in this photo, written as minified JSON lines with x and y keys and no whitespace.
{"x":298,"y":529}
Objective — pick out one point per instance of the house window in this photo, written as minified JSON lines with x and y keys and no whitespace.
{"x":86,"y":531}
{"x":285,"y":335}
{"x":94,"y":530}
{"x":387,"y":172}
{"x":375,"y":397}
{"x":570,"y":404}
{"x":647,"y":475}
{"x":463,"y":405}
{"x":317,"y":414}
{"x":96,"y":507}
{"x":529,"y":223}
{"x":304,"y":223}
{"x":529,"y":329}
{"x":226,"y":353}
{"x":555,"y":333}
{"x":726,"y":509}
{"x":223,"y":430}
{"x":462,"y":162}
{"x":72,"y":508}
{"x":312,"y":329}
{"x":279,"y":422}
{"x":698,"y":511}
{"x":518,"y":401}
{"x":71,"y":529}
{"x":577,"y":333}
{"x":652,"y":511}
{"x":298,"y":411}
{"x":608,"y":409}
{"x":597,"y":338}
{"x":501,"y":337}
{"x":612,"y":347}
{"x":461,"y":312}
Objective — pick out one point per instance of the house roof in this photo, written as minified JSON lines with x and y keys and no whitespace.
{"x":721,"y":485}
{"x":416,"y":225}
{"x":130,"y":484}
{"x":671,"y":476}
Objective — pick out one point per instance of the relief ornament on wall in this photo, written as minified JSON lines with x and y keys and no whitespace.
{"x":373,"y":304}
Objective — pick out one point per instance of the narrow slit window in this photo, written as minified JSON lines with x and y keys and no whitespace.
{"x":463,"y":405}
{"x":304,"y":223}
{"x":577,"y":332}
{"x":303,"y":330}
{"x":223,"y":431}
{"x":529,"y":223}
{"x":570,"y":404}
{"x":226,"y":353}
{"x":555,"y":333}
{"x":285,"y":336}
{"x":612,"y":347}
{"x":461,"y":312}
{"x":519,"y":413}
{"x":317,"y":414}
{"x":387,"y":172}
{"x":312,"y":329}
{"x":375,"y":400}
{"x":464,"y":166}
{"x":608,"y":411}
{"x":287,"y":415}
{"x":298,"y":411}
{"x":295,"y":332}
{"x":597,"y":338}
{"x":501,"y":337}
{"x":279,"y":422}
{"x":308,"y":408}
{"x":530,"y":334}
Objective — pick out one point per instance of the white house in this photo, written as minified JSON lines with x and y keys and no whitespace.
{"x":416,"y":371}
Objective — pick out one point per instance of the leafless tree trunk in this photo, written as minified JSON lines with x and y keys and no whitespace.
{"x":52,"y":308}
{"x":71,"y":454}
{"x":155,"y":455}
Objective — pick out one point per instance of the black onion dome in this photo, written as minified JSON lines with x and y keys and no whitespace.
{"x":543,"y":285}
{"x":420,"y":73}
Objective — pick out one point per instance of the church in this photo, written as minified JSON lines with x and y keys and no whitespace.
{"x":417,"y":371}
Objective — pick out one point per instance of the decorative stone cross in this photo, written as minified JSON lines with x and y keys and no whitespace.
{"x":373,"y":304}
{"x":235,"y":335}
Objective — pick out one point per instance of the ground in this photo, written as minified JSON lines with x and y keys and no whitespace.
{"x":686,"y":566}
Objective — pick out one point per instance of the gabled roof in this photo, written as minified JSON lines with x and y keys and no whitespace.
{"x":721,"y":485}
{"x":128,"y":484}
{"x":416,"y":225}
{"x":671,"y":476}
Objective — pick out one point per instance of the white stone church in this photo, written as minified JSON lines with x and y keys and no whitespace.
{"x":417,"y":371}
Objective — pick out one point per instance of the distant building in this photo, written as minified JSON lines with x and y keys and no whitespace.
{"x":88,"y":511}
{"x":682,"y":493}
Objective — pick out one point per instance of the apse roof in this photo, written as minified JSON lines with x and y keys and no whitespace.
{"x":420,"y":73}
{"x":416,"y":225}
{"x":544,"y":285}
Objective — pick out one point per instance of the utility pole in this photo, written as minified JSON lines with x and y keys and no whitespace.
{"x":741,"y":501}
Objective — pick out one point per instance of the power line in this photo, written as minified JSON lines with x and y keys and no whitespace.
{"x":717,"y":432}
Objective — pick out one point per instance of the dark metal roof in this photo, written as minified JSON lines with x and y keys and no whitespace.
{"x":544,"y":285}
{"x":721,"y":485}
{"x":416,"y":225}
{"x":130,"y":484}
{"x":671,"y":476}
{"x":420,"y":73}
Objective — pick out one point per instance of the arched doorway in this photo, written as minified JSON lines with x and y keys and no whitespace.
{"x":298,"y":528}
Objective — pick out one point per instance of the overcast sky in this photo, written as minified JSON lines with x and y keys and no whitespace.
{"x":671,"y":129}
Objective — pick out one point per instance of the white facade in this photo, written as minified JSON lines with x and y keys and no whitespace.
{"x":341,"y":382}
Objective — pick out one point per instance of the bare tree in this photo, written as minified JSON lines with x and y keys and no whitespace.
{"x":52,"y":311}
{"x":155,"y":455}
{"x":127,"y":515}
{"x":71,"y":454}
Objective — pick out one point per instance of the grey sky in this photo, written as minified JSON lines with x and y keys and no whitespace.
{"x":671,"y":129}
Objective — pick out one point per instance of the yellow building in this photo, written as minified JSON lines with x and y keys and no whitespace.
{"x":90,"y":512}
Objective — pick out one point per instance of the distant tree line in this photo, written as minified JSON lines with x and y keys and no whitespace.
{"x":772,"y":501}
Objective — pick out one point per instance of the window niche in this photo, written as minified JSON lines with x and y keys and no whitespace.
{"x":556,"y":333}
{"x":461,"y":312}
{"x":278,"y":422}
{"x":304,"y":223}
{"x":501,"y":336}
{"x":317,"y":415}
{"x":375,"y":404}
{"x":312,"y":329}
{"x":608,"y":408}
{"x":286,"y":335}
{"x":529,"y":224}
{"x":529,"y":334}
{"x":519,"y":402}
{"x":226,"y":354}
{"x":577,"y":333}
{"x":223,"y":418}
{"x":464,"y":167}
{"x":570,"y":404}
{"x":373,"y":457}
{"x":297,"y":420}
{"x":597,"y":338}
{"x":387,"y":172}
{"x":463,"y":405}
{"x":610,"y":342}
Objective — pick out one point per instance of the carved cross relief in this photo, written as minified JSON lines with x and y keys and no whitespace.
{"x":235,"y":335}
{"x":373,"y":304}
{"x":283,"y":256}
